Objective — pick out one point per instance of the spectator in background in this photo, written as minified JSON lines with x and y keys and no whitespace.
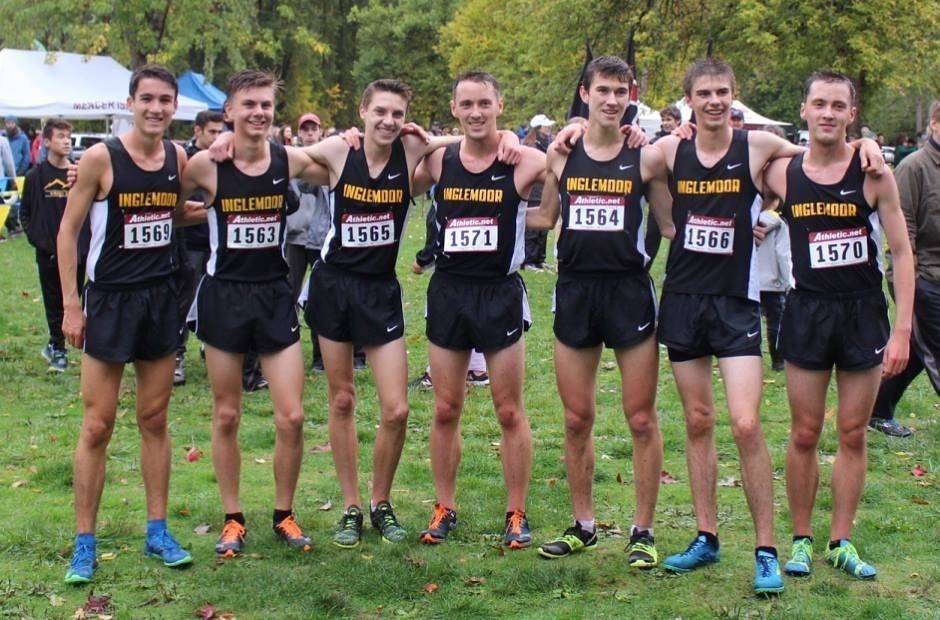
{"x":670,"y":117}
{"x":903,"y":146}
{"x":539,"y":137}
{"x":45,"y":192}
{"x":285,"y":136}
{"x":880,"y":139}
{"x":7,"y":167}
{"x":774,"y":269}
{"x":737,"y":118}
{"x":36,"y":153}
{"x":918,"y":179}
{"x":19,"y":144}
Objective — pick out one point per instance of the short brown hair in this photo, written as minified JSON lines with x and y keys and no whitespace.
{"x":53,"y":124}
{"x":934,"y":114}
{"x":830,"y":77}
{"x":156,"y":72}
{"x":251,"y":78}
{"x":480,"y":77}
{"x":204,"y":117}
{"x":608,"y":66}
{"x":386,"y":86}
{"x":710,"y":66}
{"x":671,"y":111}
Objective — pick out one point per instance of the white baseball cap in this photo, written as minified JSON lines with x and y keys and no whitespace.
{"x":540,"y":120}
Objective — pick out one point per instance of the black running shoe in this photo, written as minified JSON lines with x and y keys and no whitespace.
{"x":517,"y":534}
{"x":642,"y":552}
{"x":348,"y":531}
{"x":442,"y":522}
{"x":573,"y":540}
{"x":384,"y":520}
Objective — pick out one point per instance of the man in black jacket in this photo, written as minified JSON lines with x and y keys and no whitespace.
{"x":44,"y":195}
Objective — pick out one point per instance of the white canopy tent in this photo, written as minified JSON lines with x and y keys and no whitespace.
{"x":37,"y":84}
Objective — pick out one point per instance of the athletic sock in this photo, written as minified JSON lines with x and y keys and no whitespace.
{"x":771,"y":550}
{"x":280,"y":515}
{"x":797,"y":538}
{"x":238,"y":517}
{"x":155,"y":526}
{"x":86,"y":539}
{"x":835,"y":543}
{"x":636,"y":529}
{"x":710,"y":538}
{"x":586,"y":526}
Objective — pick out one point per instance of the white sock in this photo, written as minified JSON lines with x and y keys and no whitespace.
{"x":636,"y":528}
{"x":587,"y":526}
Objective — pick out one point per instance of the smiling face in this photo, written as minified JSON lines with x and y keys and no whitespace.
{"x":153,"y":106}
{"x":607,"y":99}
{"x":251,"y":111}
{"x":476,"y":105}
{"x":383,"y":116}
{"x":828,"y":111}
{"x":710,"y":98}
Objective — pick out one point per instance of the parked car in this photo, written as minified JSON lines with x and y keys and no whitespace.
{"x":82,"y":141}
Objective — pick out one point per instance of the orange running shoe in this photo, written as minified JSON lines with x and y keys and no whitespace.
{"x":442,"y":522}
{"x":231,"y":540}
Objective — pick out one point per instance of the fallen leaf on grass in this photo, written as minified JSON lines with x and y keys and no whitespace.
{"x":416,"y":562}
{"x":327,"y":505}
{"x":903,"y":455}
{"x":55,"y":600}
{"x":828,"y":459}
{"x":919,"y":471}
{"x":830,"y":413}
{"x":666,"y":478}
{"x":609,"y":365}
{"x":430,"y":588}
{"x":260,"y":461}
{"x":193,"y":454}
{"x":730,"y":481}
{"x":183,"y":512}
{"x":920,"y":501}
{"x":18,"y":483}
{"x":202,"y":529}
{"x":97,"y":604}
{"x":552,"y":482}
{"x":476,"y":581}
{"x":24,"y":293}
{"x":323,"y":447}
{"x":619,"y":478}
{"x":769,"y":381}
{"x":107,"y":557}
{"x":206,"y":612}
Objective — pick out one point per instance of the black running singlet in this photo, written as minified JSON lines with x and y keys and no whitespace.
{"x":480,"y":220}
{"x":603,"y":227}
{"x":132,"y":227}
{"x":368,"y":215}
{"x":715,"y":210}
{"x":835,"y":235}
{"x":246,"y":222}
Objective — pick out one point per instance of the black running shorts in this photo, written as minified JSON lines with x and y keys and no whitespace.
{"x":818,"y":332}
{"x":486,"y":316}
{"x":619,"y":311}
{"x":140,"y":323}
{"x":240,"y":316}
{"x":348,"y":307}
{"x":694,"y":325}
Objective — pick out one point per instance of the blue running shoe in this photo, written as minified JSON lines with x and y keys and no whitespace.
{"x":846,"y":557}
{"x":767,"y":579}
{"x":801,"y":558}
{"x":83,"y":563}
{"x":698,"y":554}
{"x":164,"y":547}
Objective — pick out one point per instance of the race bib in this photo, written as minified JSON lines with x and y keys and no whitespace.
{"x":838,"y":248}
{"x":147,"y":230}
{"x":596,"y":213}
{"x":253,"y":232}
{"x":366,"y":230}
{"x":709,"y":235}
{"x":471,"y":234}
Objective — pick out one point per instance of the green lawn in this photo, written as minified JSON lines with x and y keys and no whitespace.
{"x":40,"y":413}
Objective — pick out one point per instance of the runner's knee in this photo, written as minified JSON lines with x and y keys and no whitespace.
{"x":579,"y":421}
{"x":395,"y":416}
{"x":699,"y":421}
{"x":642,"y":423}
{"x":804,"y":439}
{"x":227,"y":418}
{"x":510,"y":416}
{"x":343,"y":403}
{"x":446,"y":411}
{"x":96,"y":432}
{"x":291,"y":419}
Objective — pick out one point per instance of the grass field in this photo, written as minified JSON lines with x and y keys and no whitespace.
{"x":898,"y":524}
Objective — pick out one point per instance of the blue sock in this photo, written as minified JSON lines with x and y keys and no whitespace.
{"x":155,"y":527}
{"x":87,"y":540}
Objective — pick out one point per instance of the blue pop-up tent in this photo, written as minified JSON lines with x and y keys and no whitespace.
{"x":195,"y":86}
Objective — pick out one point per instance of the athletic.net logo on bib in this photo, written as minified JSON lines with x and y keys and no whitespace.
{"x":147,"y":230}
{"x":709,"y":235}
{"x":253,"y":232}
{"x":838,"y":248}
{"x":366,"y":230}
{"x":471,"y":234}
{"x":596,"y":213}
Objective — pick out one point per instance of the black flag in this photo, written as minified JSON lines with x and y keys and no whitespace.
{"x":579,"y":108}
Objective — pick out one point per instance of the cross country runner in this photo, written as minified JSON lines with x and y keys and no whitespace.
{"x":129,"y":187}
{"x":245,"y":300}
{"x":604,"y":296}
{"x":837,"y":313}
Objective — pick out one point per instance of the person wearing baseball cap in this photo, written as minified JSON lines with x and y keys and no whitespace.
{"x":536,"y":241}
{"x":737,"y":118}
